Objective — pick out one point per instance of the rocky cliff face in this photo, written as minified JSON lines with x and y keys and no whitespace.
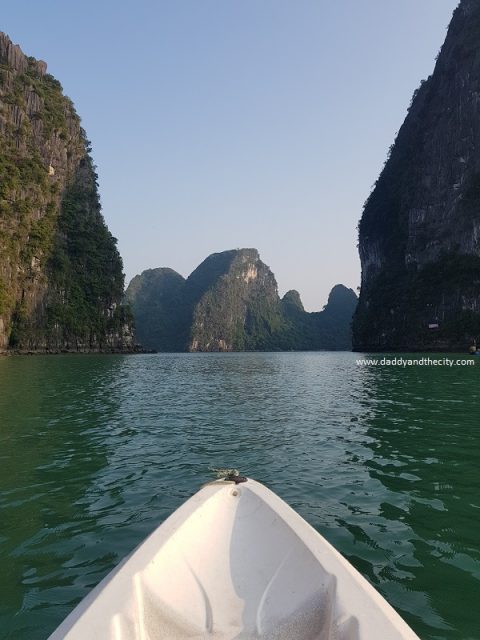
{"x":329,"y":329}
{"x":156,"y":299}
{"x":420,"y":229}
{"x":231,"y":303}
{"x":236,"y":303}
{"x":61,"y":280}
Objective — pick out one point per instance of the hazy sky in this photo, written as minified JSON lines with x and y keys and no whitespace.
{"x":219,"y":124}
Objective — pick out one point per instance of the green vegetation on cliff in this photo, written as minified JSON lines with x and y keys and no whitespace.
{"x":419,"y":236}
{"x":236,"y":303}
{"x":155,"y":298}
{"x":329,"y":329}
{"x":84,"y":268}
{"x":230,"y":303}
{"x":61,"y":280}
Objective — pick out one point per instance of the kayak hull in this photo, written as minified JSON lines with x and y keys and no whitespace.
{"x":234,"y":561}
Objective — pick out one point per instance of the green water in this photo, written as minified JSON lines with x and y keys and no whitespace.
{"x":96,"y":451}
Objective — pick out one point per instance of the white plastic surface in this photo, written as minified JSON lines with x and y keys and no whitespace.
{"x":234,"y":561}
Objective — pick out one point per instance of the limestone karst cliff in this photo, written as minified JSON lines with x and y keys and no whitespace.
{"x":156,"y":299}
{"x":236,"y":305}
{"x":61,"y":280}
{"x":419,"y":236}
{"x":329,"y":329}
{"x":230,"y":302}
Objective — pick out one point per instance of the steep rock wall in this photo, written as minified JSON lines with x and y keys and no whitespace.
{"x":61,"y":280}
{"x":419,"y":234}
{"x":157,"y":302}
{"x":230,"y":302}
{"x":238,"y":309}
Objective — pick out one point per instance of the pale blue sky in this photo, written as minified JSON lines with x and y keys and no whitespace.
{"x":218,"y":124}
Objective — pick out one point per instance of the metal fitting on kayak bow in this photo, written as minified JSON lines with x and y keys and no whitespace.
{"x":231,"y":475}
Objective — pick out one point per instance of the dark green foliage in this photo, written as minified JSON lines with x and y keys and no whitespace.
{"x":263,"y":322}
{"x":418,"y":236}
{"x":84,"y":271}
{"x":56,"y":106}
{"x":61,"y":281}
{"x":404,"y":303}
{"x":20,"y":325}
{"x":234,"y":302}
{"x":329,"y":329}
{"x":4,"y":296}
{"x":230,"y":303}
{"x":292,"y":303}
{"x":156,"y":299}
{"x":85,"y":268}
{"x":27,"y":216}
{"x":41,"y":235}
{"x":207,"y":273}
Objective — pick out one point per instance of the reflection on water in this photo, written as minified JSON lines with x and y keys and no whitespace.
{"x":96,"y":451}
{"x":50,"y":454}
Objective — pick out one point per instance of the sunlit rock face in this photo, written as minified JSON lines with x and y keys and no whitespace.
{"x":419,"y":234}
{"x":61,"y":277}
{"x":231,"y":303}
{"x":239,"y":308}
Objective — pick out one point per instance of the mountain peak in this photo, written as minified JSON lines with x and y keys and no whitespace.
{"x":230,"y":302}
{"x":292,"y":298}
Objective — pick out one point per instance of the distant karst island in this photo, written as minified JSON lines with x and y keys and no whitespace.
{"x":230,"y":303}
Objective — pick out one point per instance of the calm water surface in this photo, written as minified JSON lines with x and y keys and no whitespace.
{"x":95,"y":451}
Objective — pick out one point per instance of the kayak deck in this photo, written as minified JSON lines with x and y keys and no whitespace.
{"x":234,"y":562}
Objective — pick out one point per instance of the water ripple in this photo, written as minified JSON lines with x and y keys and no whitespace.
{"x":96,"y":451}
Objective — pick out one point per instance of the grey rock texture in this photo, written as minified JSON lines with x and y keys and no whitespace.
{"x":236,"y":303}
{"x":419,"y":236}
{"x":61,"y":280}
